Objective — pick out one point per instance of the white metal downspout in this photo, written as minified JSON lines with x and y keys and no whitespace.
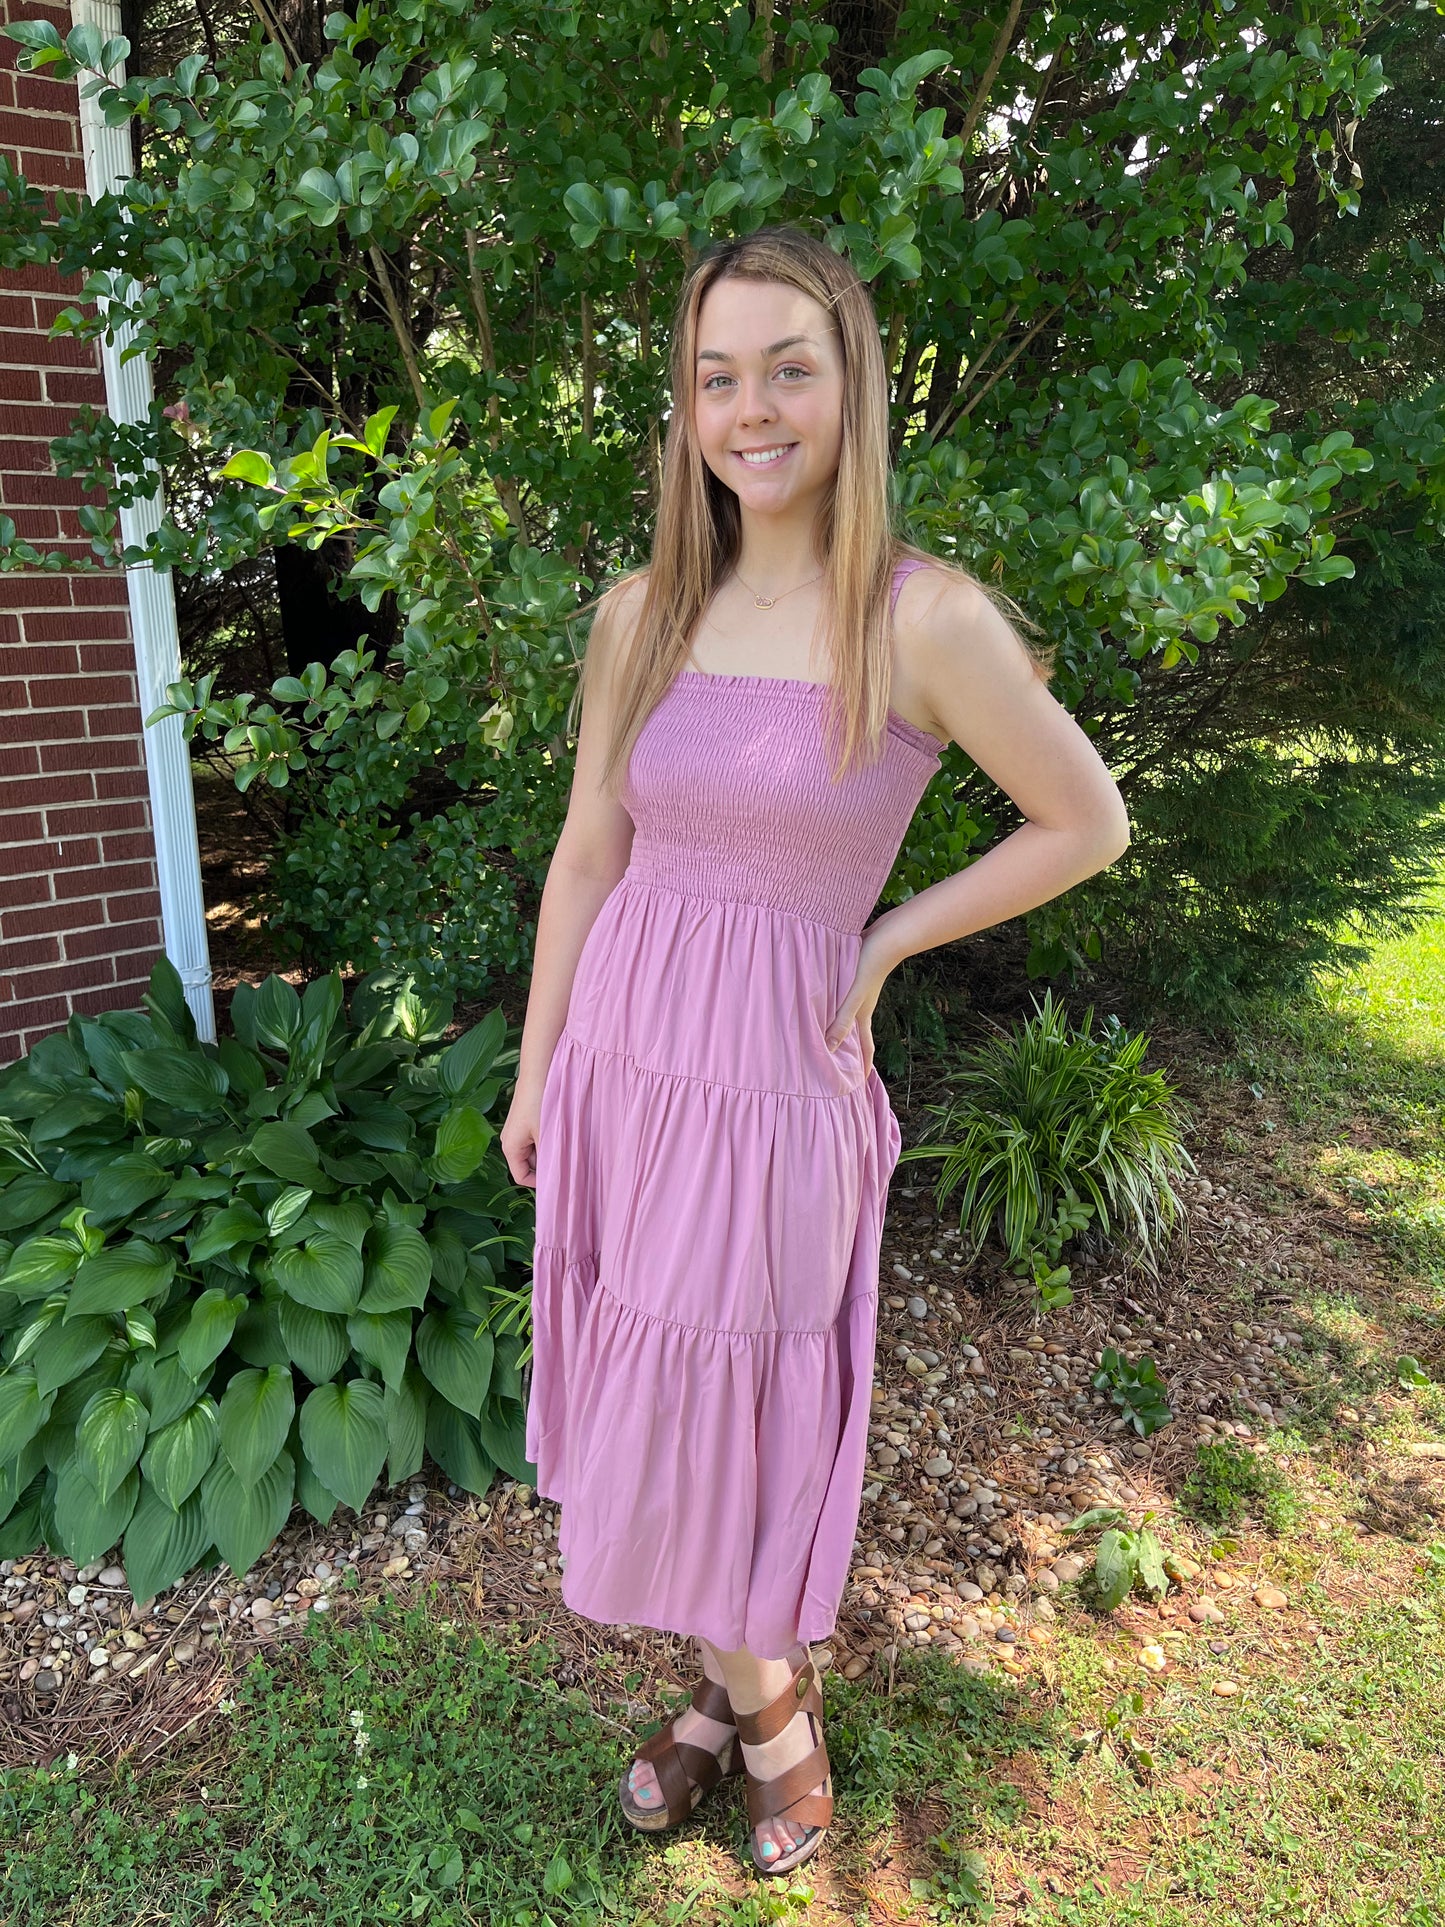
{"x":129,"y":392}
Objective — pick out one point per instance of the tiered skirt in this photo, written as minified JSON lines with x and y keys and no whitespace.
{"x":711,"y":1183}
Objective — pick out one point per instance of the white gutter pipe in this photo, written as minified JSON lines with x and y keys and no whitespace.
{"x":129,"y":392}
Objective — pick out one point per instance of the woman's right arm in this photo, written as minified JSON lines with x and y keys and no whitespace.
{"x":591,"y":854}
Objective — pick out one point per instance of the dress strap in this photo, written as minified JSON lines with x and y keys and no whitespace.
{"x":906,"y":568}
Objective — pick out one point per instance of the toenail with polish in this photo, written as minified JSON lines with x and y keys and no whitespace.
{"x":769,"y":1847}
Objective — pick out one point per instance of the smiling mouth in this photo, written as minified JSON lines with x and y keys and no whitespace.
{"x":767,"y":458}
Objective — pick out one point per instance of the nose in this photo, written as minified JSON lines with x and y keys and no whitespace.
{"x":755,"y":403}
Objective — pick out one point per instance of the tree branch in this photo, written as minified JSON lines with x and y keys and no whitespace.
{"x":398,"y":323}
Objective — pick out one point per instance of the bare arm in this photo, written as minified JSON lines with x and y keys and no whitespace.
{"x":591,"y":854}
{"x":982,"y":685}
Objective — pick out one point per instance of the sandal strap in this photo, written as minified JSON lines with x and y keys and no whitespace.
{"x":681,"y":1765}
{"x":670,"y":1767}
{"x":790,"y":1794}
{"x":800,"y":1695}
{"x":711,"y":1700}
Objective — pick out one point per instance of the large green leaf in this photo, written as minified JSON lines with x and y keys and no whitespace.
{"x":243,"y":1516}
{"x":502,"y":1428}
{"x":66,"y":1349}
{"x":123,"y":1186}
{"x":455,"y":1350}
{"x":257,"y":1337}
{"x":119,"y":1277}
{"x":381,"y":1126}
{"x":180,"y":1454}
{"x":344,"y":1432}
{"x":398,"y":1269}
{"x":233,"y":1228}
{"x":324,"y":1273}
{"x":317,"y":1341}
{"x":166,"y":1001}
{"x":462,"y":1066}
{"x":291,"y":1153}
{"x":110,"y":1437}
{"x":87,"y":1524}
{"x":255,"y":1414}
{"x":383,"y":1340}
{"x":162,"y":1546}
{"x":164,"y":1383}
{"x":310,"y":1492}
{"x":461,"y":1143}
{"x":29,"y":1198}
{"x":275,"y":1014}
{"x":186,"y":1081}
{"x":506,"y":1377}
{"x":350,"y":1219}
{"x":40,"y":1264}
{"x":406,"y":1407}
{"x":16,"y":1474}
{"x":24,"y":1527}
{"x":211,"y":1321}
{"x":23,"y":1410}
{"x":106,"y":1051}
{"x":454,"y":1442}
{"x":69,"y":1115}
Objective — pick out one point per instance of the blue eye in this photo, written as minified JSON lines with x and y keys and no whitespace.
{"x":789,"y":368}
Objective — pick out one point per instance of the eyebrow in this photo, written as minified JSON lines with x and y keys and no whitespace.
{"x":788,"y":341}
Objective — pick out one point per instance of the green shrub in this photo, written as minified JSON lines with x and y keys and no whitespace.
{"x":187,"y":1229}
{"x":1052,"y":1132}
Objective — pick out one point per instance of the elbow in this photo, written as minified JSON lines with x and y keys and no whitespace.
{"x":1113,"y":836}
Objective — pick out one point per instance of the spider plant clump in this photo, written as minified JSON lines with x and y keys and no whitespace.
{"x":1053,"y":1131}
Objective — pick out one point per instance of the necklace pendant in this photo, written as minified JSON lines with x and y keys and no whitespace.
{"x":763,"y":601}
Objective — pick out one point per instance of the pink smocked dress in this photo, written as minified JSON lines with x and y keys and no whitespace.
{"x":711,"y":1178}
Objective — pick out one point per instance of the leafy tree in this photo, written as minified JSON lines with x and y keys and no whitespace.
{"x":412,"y":291}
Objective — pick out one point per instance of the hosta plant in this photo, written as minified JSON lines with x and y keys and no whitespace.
{"x":238,"y":1275}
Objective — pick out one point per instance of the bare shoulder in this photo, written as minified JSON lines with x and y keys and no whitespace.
{"x":615,"y":620}
{"x":948,"y":633}
{"x":973,"y":673}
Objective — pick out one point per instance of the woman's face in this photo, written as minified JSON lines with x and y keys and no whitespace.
{"x":768,"y":383}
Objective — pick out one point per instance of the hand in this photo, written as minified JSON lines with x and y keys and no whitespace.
{"x":518,"y":1136}
{"x":869,"y":977}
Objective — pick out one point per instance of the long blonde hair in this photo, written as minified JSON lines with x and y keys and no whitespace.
{"x":699,"y":527}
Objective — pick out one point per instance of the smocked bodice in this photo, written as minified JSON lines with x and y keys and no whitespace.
{"x":730,"y":789}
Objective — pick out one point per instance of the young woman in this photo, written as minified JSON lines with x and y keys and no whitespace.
{"x":696,"y":1102}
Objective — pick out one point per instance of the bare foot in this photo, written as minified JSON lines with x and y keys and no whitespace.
{"x":692,"y":1726}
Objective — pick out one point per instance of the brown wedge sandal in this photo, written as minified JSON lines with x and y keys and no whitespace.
{"x":788,"y":1795}
{"x":684,"y":1771}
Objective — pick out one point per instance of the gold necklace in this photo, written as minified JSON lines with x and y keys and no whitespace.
{"x":767,"y":602}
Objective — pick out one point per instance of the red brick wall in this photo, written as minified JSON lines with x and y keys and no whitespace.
{"x":79,"y":910}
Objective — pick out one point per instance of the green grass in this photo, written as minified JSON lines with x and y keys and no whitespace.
{"x":1359,"y":1078}
{"x":396,"y":1768}
{"x":1228,"y":1483}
